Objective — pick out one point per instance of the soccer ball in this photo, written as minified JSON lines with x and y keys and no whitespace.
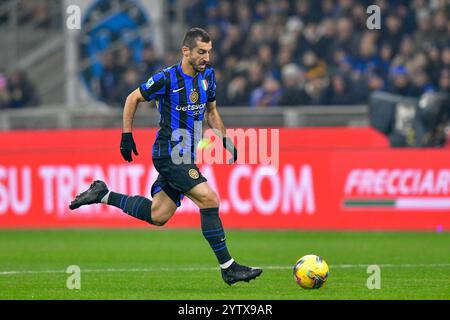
{"x":311,"y":272}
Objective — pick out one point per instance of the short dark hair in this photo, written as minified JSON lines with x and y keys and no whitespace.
{"x":194,"y":34}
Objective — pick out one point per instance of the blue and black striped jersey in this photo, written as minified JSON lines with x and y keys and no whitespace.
{"x":181,"y":100}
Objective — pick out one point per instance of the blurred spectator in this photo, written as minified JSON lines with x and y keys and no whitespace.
{"x":422,"y":82}
{"x":42,"y":14}
{"x":245,"y":17}
{"x":151,"y":62}
{"x":346,"y":38}
{"x":392,"y":32}
{"x":21,"y":91}
{"x":131,"y":80}
{"x":255,"y":39}
{"x":400,"y":83}
{"x":316,"y":88}
{"x":444,"y":81}
{"x":255,"y":76}
{"x":328,"y":8}
{"x":422,"y":40}
{"x":439,"y":34}
{"x":359,"y":17}
{"x":418,"y":62}
{"x":229,"y":67}
{"x":194,"y":12}
{"x":340,"y":92}
{"x":344,"y":8}
{"x":233,"y":42}
{"x":445,"y":57}
{"x":123,"y":60}
{"x":385,"y":55}
{"x":4,"y":95}
{"x":238,"y":92}
{"x":109,"y":80}
{"x":406,"y":52}
{"x":266,"y":95}
{"x":366,"y":60}
{"x":302,"y":10}
{"x":328,"y":33}
{"x":340,"y":62}
{"x":435,"y":61}
{"x":313,"y":66}
{"x":285,"y":57}
{"x":265,"y":59}
{"x":312,"y":35}
{"x":170,"y":57}
{"x":374,"y":83}
{"x":293,"y":86}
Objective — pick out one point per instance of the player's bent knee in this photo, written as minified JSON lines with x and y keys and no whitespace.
{"x":215,"y":200}
{"x":159,"y":218}
{"x":161,"y":215}
{"x":158,"y":221}
{"x":210,"y":200}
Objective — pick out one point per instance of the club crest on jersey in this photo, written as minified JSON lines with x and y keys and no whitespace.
{"x":204,"y":84}
{"x":193,"y":96}
{"x":193,"y":174}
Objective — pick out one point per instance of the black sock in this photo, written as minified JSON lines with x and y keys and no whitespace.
{"x":213,"y":232}
{"x":136,"y":206}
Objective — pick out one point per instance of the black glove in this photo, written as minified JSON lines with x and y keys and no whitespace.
{"x":127,"y":145}
{"x":229,"y":145}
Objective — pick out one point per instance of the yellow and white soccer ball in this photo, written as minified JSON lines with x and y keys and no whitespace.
{"x":204,"y":143}
{"x":311,"y":272}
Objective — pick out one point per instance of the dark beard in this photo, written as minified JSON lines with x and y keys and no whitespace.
{"x":195,"y":67}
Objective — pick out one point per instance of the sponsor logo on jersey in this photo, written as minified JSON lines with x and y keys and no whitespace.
{"x":191,"y":107}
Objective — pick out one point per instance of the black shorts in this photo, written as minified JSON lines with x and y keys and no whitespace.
{"x":175,"y":179}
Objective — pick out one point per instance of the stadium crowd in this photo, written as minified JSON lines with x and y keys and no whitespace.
{"x":299,"y":53}
{"x":270,"y":53}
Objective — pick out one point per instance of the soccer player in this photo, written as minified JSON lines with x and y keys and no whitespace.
{"x":185,"y":94}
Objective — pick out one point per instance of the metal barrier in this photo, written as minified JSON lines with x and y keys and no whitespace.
{"x":59,"y":117}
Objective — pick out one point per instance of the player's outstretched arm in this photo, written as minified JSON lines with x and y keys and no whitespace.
{"x":127,"y":144}
{"x":131,"y":104}
{"x":214,"y":119}
{"x":215,"y":122}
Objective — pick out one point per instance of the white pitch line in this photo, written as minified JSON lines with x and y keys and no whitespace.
{"x":338,"y":266}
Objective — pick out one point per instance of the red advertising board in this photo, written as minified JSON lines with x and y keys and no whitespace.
{"x":324,"y":178}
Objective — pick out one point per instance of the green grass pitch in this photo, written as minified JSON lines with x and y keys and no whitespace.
{"x":178,"y":264}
